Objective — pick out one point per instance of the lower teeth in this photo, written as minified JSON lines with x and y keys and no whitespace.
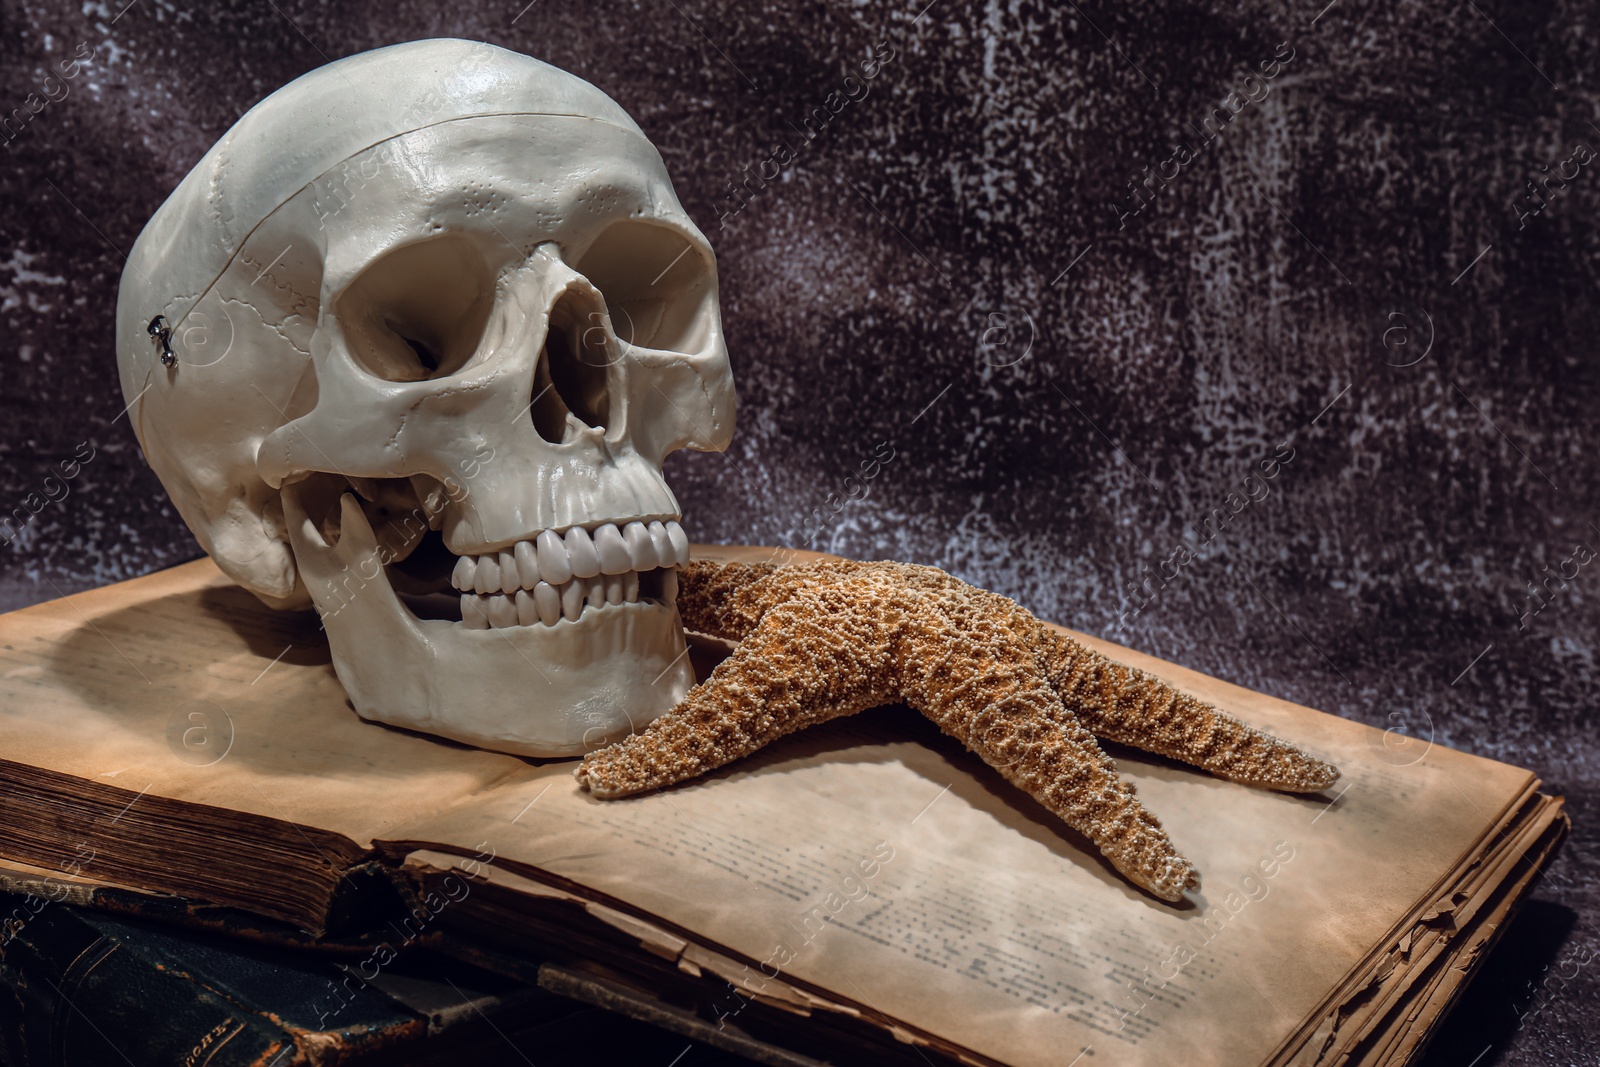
{"x":547,"y":605}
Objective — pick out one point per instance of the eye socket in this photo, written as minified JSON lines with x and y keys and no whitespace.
{"x":658,"y":284}
{"x":419,"y":311}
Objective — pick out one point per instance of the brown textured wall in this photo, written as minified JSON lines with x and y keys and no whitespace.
{"x":1081,"y":389}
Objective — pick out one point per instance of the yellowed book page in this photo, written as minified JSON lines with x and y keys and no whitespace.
{"x":1443,"y":964}
{"x":1387,"y":980}
{"x":877,"y":859}
{"x":1434,"y":934}
{"x":182,"y":685}
{"x":1385,"y":974}
{"x":1407,"y":1035}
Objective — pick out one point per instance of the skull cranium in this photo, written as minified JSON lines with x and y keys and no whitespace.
{"x":438,"y":317}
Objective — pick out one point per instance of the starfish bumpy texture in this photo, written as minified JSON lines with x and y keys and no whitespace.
{"x":819,"y":641}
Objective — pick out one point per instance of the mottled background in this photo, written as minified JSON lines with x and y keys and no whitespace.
{"x":950,"y":272}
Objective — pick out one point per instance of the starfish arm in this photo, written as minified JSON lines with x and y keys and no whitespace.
{"x":1127,"y":705}
{"x":987,"y":693}
{"x":729,"y":600}
{"x":807,"y":660}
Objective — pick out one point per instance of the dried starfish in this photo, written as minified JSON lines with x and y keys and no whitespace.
{"x":818,"y":641}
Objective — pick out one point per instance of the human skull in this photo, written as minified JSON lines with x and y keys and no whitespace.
{"x":428,"y":316}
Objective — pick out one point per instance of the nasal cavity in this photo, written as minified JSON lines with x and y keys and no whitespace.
{"x":572,"y":371}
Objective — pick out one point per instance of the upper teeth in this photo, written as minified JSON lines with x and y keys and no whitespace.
{"x":556,"y":559}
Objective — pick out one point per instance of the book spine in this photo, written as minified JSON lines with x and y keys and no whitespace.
{"x":72,"y":996}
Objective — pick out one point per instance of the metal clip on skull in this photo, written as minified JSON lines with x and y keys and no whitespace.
{"x":160,"y":334}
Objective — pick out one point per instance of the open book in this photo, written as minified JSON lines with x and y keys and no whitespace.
{"x":852,"y":891}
